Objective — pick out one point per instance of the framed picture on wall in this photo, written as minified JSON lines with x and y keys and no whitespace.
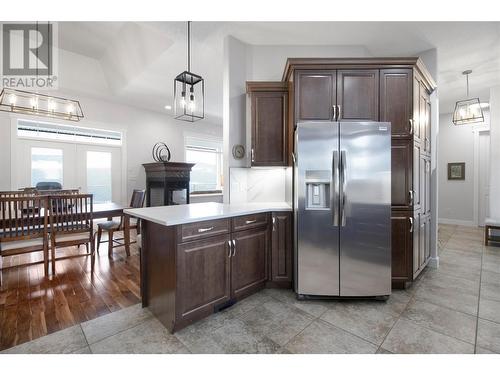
{"x":456,"y":171}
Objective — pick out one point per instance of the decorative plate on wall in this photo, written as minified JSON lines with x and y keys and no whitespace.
{"x":238,"y":151}
{"x":456,"y":171}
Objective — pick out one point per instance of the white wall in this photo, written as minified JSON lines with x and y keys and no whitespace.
{"x":142,"y":130}
{"x":495,"y":152}
{"x":457,"y":144}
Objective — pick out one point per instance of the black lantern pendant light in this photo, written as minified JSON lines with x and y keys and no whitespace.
{"x":468,"y":111}
{"x":189,"y":90}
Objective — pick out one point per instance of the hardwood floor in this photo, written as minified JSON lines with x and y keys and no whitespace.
{"x":32,"y":306}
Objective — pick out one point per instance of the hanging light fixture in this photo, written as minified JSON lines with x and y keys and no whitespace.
{"x":468,"y":111}
{"x":189,"y":90}
{"x":32,"y":103}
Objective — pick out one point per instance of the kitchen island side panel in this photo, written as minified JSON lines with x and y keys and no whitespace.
{"x":158,"y":257}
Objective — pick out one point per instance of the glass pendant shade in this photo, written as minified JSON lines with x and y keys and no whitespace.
{"x":189,"y":90}
{"x":30,"y":103}
{"x":468,"y":111}
{"x":189,"y":97}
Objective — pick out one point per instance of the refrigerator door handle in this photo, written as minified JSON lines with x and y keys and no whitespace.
{"x":334,"y":189}
{"x":343,"y":157}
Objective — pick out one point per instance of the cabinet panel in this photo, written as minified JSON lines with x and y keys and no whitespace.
{"x":401,"y":173}
{"x":315,"y":95}
{"x":415,"y":229}
{"x":269,"y":128}
{"x":249,"y":221}
{"x":203,"y":276}
{"x":281,"y":247}
{"x":417,"y":174}
{"x":357,"y":95}
{"x":249,"y":261}
{"x":396,"y":100}
{"x":209,"y":228}
{"x":427,"y":125}
{"x":422,"y":240}
{"x":427,"y":238}
{"x":416,"y":108}
{"x":401,"y":245}
{"x":426,"y":200}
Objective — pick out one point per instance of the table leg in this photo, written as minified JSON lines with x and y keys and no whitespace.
{"x":126,"y":233}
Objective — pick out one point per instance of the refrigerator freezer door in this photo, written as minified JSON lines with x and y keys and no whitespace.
{"x":365,"y":196}
{"x":317,"y":209}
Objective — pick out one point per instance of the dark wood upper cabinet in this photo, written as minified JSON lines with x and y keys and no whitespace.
{"x":396,"y":87}
{"x":315,"y":95}
{"x":281,"y":247}
{"x":249,"y":261}
{"x":401,"y":173}
{"x":357,"y":95}
{"x":203,"y":276}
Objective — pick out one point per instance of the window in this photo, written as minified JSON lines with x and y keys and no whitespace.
{"x":68,"y":133}
{"x":99,"y":176}
{"x":206,"y":174}
{"x":46,"y":165}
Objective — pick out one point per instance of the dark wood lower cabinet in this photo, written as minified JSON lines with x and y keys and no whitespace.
{"x":249,"y":261}
{"x":185,"y":280}
{"x":402,"y":244}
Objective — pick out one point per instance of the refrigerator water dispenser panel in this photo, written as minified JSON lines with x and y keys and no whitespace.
{"x":317,"y":190}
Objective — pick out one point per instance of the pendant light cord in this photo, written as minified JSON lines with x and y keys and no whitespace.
{"x":467,"y":78}
{"x":189,"y":45}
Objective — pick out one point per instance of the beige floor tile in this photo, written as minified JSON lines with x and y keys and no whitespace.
{"x":66,"y":341}
{"x":488,"y":335}
{"x":320,"y":338}
{"x":443,"y":320}
{"x":312,"y":307}
{"x":490,"y":291}
{"x":407,"y":337}
{"x":450,"y":298}
{"x":489,"y":309}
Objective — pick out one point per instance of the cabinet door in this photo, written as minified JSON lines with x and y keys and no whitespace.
{"x":417,"y":174}
{"x":315,"y":94}
{"x":416,"y":108}
{"x":269,"y":128}
{"x":427,"y":173}
{"x":428,"y":237}
{"x":396,"y":100}
{"x":422,"y":246}
{"x":415,"y":229}
{"x":203,"y":276}
{"x":401,"y":173}
{"x":249,"y":261}
{"x":357,"y":95}
{"x":402,"y":245}
{"x":427,"y":138}
{"x":281,"y":247}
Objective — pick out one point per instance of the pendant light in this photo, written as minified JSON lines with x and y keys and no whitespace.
{"x":189,"y":90}
{"x":32,"y":103}
{"x":468,"y":111}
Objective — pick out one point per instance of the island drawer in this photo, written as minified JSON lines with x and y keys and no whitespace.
{"x":203,"y":229}
{"x":249,"y":221}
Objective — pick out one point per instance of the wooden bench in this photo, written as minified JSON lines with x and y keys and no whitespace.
{"x":490,"y":224}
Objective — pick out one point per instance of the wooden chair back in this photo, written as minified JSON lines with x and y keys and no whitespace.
{"x":71,"y":213}
{"x":16,"y":194}
{"x":22,"y":219}
{"x":58,"y":192}
{"x":138,"y":197}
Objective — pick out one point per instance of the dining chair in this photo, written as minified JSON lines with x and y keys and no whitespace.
{"x":24,"y":228}
{"x":112,"y":226}
{"x":48,"y":185}
{"x":71,"y":224}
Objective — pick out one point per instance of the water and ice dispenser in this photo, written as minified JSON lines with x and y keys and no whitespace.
{"x":317,"y":190}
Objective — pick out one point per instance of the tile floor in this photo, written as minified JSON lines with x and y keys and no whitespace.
{"x":454,"y":309}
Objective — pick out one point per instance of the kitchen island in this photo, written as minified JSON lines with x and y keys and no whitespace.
{"x":197,"y":259}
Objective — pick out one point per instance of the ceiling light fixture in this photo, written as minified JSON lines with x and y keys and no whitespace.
{"x":189,"y":90}
{"x":470,"y":110}
{"x":40,"y":105}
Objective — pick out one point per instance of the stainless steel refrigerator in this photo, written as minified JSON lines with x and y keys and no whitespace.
{"x":343,"y":209}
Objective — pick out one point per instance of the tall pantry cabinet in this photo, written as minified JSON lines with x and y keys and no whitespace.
{"x":396,"y":90}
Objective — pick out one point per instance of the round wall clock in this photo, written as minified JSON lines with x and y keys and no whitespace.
{"x":238,"y":151}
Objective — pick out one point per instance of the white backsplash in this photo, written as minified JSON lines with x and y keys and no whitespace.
{"x":260,"y":185}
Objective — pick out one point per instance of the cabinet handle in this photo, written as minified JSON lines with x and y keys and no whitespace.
{"x":411,"y":193}
{"x":250,"y":221}
{"x":410,"y":121}
{"x":293,"y":158}
{"x":203,"y":230}
{"x":339,"y":112}
{"x":253,"y":155}
{"x":274,"y":223}
{"x":411,"y":224}
{"x":334,"y":114}
{"x":234,"y":247}
{"x":229,"y":244}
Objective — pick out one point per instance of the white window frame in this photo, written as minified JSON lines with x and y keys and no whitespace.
{"x":202,"y":138}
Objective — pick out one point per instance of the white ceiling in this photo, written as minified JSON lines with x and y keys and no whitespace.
{"x":151,"y":54}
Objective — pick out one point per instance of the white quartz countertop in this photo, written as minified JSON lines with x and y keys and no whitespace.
{"x":190,"y":213}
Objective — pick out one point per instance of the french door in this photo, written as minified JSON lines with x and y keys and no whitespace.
{"x":92,"y":169}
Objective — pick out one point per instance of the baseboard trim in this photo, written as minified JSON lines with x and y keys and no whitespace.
{"x":433,"y":262}
{"x":466,"y":223}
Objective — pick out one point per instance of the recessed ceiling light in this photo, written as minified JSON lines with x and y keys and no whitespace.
{"x":168,"y":107}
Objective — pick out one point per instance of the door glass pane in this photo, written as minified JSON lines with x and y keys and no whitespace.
{"x":99,"y":175}
{"x":46,"y":165}
{"x":204,"y":173}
